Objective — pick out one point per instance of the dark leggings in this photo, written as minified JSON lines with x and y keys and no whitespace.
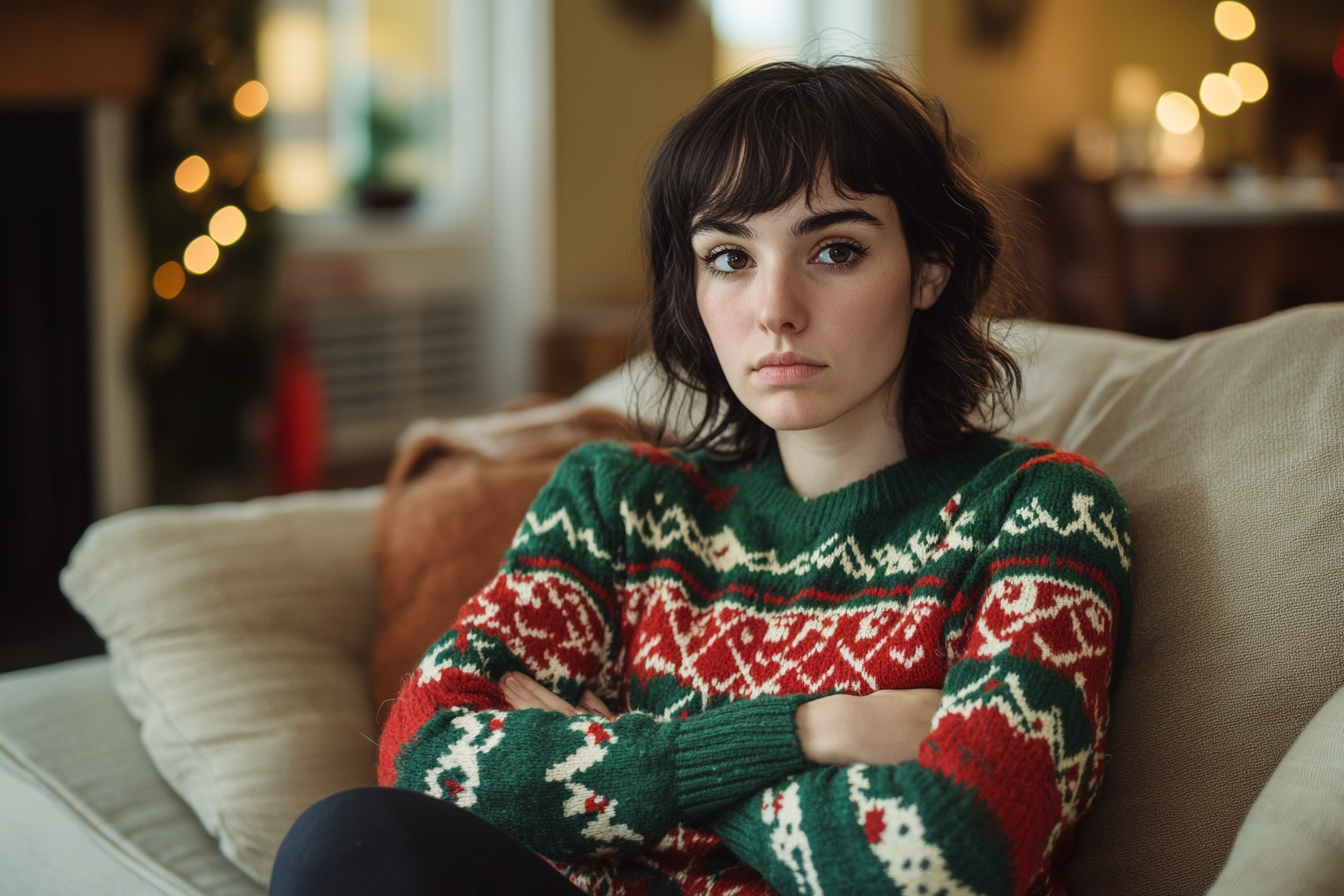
{"x":377,"y":840}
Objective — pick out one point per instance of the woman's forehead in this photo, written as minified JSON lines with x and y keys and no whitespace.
{"x":824,"y":200}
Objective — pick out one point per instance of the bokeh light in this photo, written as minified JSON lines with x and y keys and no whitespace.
{"x":1179,"y":154}
{"x":292,"y":56}
{"x":169,"y":280}
{"x":1251,"y":79}
{"x":1219,"y":94}
{"x":300,"y":176}
{"x":1233,"y":20}
{"x":201,"y":255}
{"x":227,"y":225}
{"x":1177,"y":113}
{"x":250,"y":99}
{"x":1134,"y":90}
{"x":192,"y":174}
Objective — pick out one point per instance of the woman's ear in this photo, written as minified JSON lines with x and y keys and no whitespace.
{"x":929,"y":285}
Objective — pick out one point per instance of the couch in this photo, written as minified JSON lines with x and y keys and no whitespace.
{"x":236,"y":686}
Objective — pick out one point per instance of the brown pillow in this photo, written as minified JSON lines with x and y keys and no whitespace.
{"x":456,"y":494}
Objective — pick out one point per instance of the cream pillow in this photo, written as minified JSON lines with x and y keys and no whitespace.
{"x":1229,"y":448}
{"x":238,"y":635}
{"x":1292,"y":843}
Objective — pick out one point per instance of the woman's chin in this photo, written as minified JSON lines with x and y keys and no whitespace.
{"x":793,"y":418}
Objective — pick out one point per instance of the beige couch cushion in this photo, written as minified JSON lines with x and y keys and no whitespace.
{"x":1292,"y":843}
{"x":1229,"y":448}
{"x":239,"y":636}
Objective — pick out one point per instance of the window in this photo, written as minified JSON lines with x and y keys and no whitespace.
{"x":750,"y":32}
{"x":369,"y":106}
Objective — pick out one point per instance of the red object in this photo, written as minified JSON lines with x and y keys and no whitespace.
{"x":1339,"y":61}
{"x":298,"y":417}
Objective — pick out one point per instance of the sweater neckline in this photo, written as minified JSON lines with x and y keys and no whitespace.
{"x":902,"y":484}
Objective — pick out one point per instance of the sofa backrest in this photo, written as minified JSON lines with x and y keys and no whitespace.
{"x":1229,"y":448}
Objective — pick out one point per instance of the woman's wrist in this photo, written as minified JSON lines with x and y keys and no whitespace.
{"x":824,"y":728}
{"x":881,"y":728}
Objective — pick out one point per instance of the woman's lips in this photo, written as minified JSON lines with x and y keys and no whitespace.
{"x":787,"y":367}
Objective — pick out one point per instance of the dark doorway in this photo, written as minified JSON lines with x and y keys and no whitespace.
{"x":46,"y":476}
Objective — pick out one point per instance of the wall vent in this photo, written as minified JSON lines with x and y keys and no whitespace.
{"x":386,"y":363}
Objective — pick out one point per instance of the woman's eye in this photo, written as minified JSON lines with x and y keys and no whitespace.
{"x":729,"y":261}
{"x":837,"y":254}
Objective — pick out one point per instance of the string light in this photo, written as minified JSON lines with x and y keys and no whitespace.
{"x":1177,"y":113}
{"x":1251,"y":79}
{"x":201,"y":255}
{"x":251,"y":99}
{"x":169,"y":280}
{"x":227,"y":225}
{"x":192,"y":174}
{"x":1233,"y":20}
{"x":1219,"y":94}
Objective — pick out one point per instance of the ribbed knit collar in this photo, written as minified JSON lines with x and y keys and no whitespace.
{"x":766,"y":488}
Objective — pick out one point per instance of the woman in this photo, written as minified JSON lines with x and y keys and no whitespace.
{"x":848,"y":641}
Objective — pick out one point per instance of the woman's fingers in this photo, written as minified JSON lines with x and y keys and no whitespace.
{"x":524,"y":692}
{"x":593,"y":703}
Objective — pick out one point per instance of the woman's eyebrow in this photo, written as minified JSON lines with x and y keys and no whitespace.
{"x":830,"y":219}
{"x":723,"y":226}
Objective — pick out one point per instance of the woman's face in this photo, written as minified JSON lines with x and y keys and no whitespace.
{"x":809,"y":307}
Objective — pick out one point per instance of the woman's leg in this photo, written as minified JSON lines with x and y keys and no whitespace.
{"x":380,"y":840}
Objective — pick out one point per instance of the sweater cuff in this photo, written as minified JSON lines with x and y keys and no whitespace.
{"x":726,"y":754}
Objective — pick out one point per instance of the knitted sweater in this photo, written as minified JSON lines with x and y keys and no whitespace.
{"x":704,"y":602}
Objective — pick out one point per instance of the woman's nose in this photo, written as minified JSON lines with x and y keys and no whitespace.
{"x":779,"y":305}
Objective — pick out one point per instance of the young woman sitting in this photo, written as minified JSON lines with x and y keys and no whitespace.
{"x":845,"y":640}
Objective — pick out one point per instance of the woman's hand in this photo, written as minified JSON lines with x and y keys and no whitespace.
{"x":523,"y":692}
{"x":881,"y":728}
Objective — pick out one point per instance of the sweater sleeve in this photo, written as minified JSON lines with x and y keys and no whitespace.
{"x":569,"y":786}
{"x":1037,"y":616}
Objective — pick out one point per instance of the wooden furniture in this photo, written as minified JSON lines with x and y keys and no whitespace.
{"x":1197,"y":259}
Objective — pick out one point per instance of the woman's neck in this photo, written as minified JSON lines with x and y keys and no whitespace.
{"x":828,"y":458}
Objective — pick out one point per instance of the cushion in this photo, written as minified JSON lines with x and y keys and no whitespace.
{"x":1292,"y":843}
{"x":238,"y":636}
{"x":455,"y":496}
{"x":82,"y":809}
{"x":1229,"y":448}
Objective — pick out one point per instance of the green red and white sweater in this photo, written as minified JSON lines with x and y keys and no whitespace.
{"x":704,"y":602}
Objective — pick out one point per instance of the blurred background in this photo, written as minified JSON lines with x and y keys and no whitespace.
{"x":246,"y":242}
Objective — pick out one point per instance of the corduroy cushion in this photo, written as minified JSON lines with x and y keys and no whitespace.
{"x":239,"y":636}
{"x":1229,"y":448}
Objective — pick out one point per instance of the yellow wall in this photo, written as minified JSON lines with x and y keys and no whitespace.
{"x":1020,"y":103}
{"x":618,"y":87}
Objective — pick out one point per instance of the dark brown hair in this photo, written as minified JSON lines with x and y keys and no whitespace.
{"x":751,"y":146}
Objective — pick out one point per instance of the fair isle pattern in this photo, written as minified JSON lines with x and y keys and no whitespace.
{"x":704,"y":602}
{"x":744,"y":651}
